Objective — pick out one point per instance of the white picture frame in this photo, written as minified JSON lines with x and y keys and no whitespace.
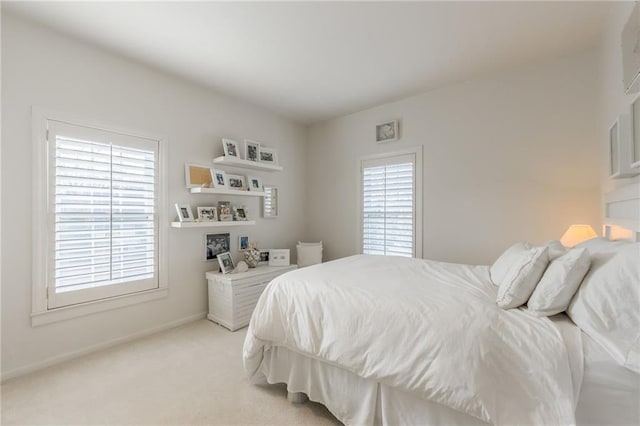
{"x":240,"y":213}
{"x":251,"y":150}
{"x":269,"y":156}
{"x":236,"y":182}
{"x":279,"y":257}
{"x":219,"y":179}
{"x":231,"y":148}
{"x":254,"y":183}
{"x":243,"y":242}
{"x":198,"y":175}
{"x":387,"y":132}
{"x":207,"y":214}
{"x":184,"y":212}
{"x":226,"y":262}
{"x":264,"y":257}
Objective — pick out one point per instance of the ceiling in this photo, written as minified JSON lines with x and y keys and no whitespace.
{"x":317,"y":60}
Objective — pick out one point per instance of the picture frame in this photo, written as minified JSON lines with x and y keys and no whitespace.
{"x":264,"y":257}
{"x":243,"y":243}
{"x":254,"y":183}
{"x":207,"y":214}
{"x":270,"y":208}
{"x":184,"y":212}
{"x":251,"y":150}
{"x":215,"y":244}
{"x":219,"y":178}
{"x":224,"y":210}
{"x":387,"y":132}
{"x":231,"y":148}
{"x":226,"y":262}
{"x":198,"y":175}
{"x":279,"y":257}
{"x":239,"y":213}
{"x":269,"y":156}
{"x":236,"y":182}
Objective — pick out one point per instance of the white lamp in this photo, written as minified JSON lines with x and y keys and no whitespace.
{"x":577,"y":234}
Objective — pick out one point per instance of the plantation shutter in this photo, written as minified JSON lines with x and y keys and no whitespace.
{"x":103,"y":189}
{"x":388,"y":206}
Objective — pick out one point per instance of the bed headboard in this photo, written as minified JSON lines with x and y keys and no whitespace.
{"x":622,"y":213}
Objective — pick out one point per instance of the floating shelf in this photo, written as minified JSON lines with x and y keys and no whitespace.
{"x":212,"y":224}
{"x":222,"y":191}
{"x":246,"y":164}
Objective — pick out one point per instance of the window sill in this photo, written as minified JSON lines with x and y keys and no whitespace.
{"x":74,"y":311}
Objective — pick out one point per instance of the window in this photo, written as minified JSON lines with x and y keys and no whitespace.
{"x":390,"y":213}
{"x":100,"y":227}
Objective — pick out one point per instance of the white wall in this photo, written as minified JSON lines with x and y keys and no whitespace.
{"x":508,"y":158}
{"x":41,"y":67}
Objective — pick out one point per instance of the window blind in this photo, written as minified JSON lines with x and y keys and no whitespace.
{"x":388,"y":206}
{"x":103,"y":201}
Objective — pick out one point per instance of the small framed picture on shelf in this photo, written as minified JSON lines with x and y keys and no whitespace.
{"x":251,"y":150}
{"x":219,"y":179}
{"x":387,"y":132}
{"x":198,"y":176}
{"x":231,"y":148}
{"x":255,"y":184}
{"x":279,"y":257}
{"x":214,"y":244}
{"x":226,"y":262}
{"x":239,"y":213}
{"x":184,"y":212}
{"x":236,"y":182}
{"x":264,"y":257}
{"x":268,"y":156}
{"x":243,"y":243}
{"x":224,"y":210}
{"x":207,"y":214}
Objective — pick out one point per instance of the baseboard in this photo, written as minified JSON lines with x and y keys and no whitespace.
{"x":20,"y":371}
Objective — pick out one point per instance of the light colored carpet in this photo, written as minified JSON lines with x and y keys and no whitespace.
{"x":188,"y":375}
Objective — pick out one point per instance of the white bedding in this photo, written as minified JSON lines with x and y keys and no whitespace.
{"x":428,"y":328}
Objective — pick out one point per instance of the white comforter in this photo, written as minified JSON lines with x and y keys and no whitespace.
{"x":426,"y":327}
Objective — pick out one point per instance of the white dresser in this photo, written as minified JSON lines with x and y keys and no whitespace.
{"x":232,"y":297}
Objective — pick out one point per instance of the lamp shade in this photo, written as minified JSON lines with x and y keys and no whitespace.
{"x":577,"y":234}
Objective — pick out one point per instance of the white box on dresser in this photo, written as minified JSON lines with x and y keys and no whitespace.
{"x":232,"y":297}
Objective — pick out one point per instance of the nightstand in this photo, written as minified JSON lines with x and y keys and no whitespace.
{"x":232,"y":297}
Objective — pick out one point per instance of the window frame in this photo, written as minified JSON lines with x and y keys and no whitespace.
{"x":41,"y":313}
{"x":416,"y":152}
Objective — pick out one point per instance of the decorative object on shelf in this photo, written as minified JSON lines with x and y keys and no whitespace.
{"x":387,"y":132}
{"x":270,"y":202}
{"x":241,"y":267}
{"x":635,"y":132}
{"x":239,"y":213}
{"x":268,"y":156}
{"x":184,"y":212}
{"x":264,"y":257}
{"x":207,"y":214}
{"x":226,"y":262}
{"x":251,"y":150}
{"x":279,"y":257}
{"x":219,"y":179}
{"x":243,"y":243}
{"x":620,"y":153}
{"x":255,"y":184}
{"x":252,"y":255}
{"x":215,"y":244}
{"x":197,"y":175}
{"x":224,"y":208}
{"x":231,"y":148}
{"x":236,"y":182}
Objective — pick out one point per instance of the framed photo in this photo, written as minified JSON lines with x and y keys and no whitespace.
{"x":224,"y":208}
{"x":226,"y":262}
{"x":387,"y":132}
{"x":243,"y":243}
{"x":198,"y":175}
{"x":270,"y":202}
{"x":184,"y":212}
{"x":251,"y":150}
{"x":236,"y":182}
{"x":231,"y":148}
{"x":214,"y":244}
{"x":239,"y":213}
{"x":268,"y":156}
{"x":219,"y":178}
{"x":279,"y":257}
{"x":207,"y":214}
{"x":255,"y":184}
{"x":264,"y":257}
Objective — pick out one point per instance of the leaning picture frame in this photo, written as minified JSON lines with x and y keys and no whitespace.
{"x":264,"y":257}
{"x":254,"y":183}
{"x":269,"y":156}
{"x":215,"y":244}
{"x":207,"y":214}
{"x":236,"y":182}
{"x":184,"y":212}
{"x":198,"y":175}
{"x":251,"y":150}
{"x":226,"y":262}
{"x":231,"y":148}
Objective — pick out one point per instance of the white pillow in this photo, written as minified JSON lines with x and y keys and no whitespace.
{"x":309,"y":253}
{"x":559,"y":283}
{"x":516,"y":273}
{"x":607,"y":305}
{"x":556,"y":249}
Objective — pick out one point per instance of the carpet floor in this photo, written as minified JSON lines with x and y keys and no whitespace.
{"x":187,"y":375}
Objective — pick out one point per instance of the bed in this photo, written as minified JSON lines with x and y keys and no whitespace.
{"x":383,"y":340}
